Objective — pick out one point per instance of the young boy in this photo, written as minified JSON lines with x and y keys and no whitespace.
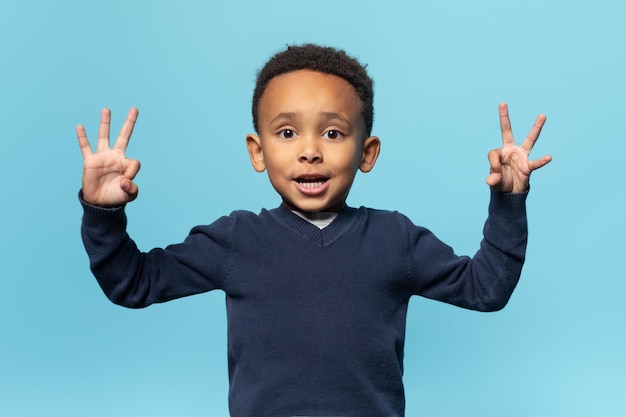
{"x":316,"y":291}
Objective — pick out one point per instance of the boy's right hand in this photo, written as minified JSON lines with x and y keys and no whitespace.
{"x":107,"y":174}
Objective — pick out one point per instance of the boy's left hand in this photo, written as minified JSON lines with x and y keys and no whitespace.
{"x":510,"y":166}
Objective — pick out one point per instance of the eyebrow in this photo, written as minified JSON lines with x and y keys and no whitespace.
{"x":287,"y":116}
{"x":326,"y":115}
{"x":336,"y":116}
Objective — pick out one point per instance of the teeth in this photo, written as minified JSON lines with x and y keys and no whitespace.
{"x":312,"y":184}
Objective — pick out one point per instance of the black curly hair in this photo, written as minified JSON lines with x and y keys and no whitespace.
{"x":323,"y":59}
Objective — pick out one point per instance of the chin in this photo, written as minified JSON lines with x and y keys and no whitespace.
{"x":319,"y":208}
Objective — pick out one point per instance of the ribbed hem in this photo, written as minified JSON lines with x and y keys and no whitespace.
{"x":101,"y":217}
{"x":508,"y":205}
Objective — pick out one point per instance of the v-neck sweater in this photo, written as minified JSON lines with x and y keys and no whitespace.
{"x":316,"y":317}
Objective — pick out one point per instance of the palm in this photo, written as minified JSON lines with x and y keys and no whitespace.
{"x":510,"y":165}
{"x":107,"y":173}
{"x":515,"y":170}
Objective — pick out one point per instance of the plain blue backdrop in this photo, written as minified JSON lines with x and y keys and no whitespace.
{"x":440,"y":67}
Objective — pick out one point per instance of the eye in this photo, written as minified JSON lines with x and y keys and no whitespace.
{"x":287,"y":134}
{"x":333,"y":134}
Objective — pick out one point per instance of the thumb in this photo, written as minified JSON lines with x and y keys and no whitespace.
{"x":130,"y":188}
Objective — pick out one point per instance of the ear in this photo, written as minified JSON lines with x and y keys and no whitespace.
{"x":371,"y":149}
{"x":255,"y":150}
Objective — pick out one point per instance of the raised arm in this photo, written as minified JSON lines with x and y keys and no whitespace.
{"x":510,"y":165}
{"x":107,"y":174}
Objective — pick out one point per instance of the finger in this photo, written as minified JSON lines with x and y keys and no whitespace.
{"x":495,"y":160}
{"x":534,"y":133}
{"x":495,"y":171}
{"x":127,"y":130}
{"x":541,"y":162}
{"x":505,"y":125}
{"x":83,"y":142}
{"x":494,"y":179}
{"x":103,"y":131}
{"x":130,"y":188}
{"x":132,"y":168}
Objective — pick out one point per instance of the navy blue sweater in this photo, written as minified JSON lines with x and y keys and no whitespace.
{"x":316,"y":318}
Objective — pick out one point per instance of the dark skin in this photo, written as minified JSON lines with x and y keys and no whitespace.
{"x":108,"y":175}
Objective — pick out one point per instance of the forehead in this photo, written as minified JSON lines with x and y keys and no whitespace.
{"x":309,"y":91}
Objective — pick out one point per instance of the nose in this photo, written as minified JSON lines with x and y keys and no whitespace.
{"x":310,"y":151}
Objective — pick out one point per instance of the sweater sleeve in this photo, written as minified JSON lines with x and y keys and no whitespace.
{"x":136,"y":279}
{"x":484,"y":282}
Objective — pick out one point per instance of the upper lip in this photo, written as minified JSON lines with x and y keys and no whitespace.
{"x":311,"y":177}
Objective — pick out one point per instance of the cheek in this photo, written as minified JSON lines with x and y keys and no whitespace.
{"x":352,"y":157}
{"x":347,"y":165}
{"x":274,"y":163}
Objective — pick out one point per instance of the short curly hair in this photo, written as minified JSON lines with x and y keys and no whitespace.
{"x":323,"y":59}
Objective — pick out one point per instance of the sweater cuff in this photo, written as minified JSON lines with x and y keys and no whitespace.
{"x":508,"y":205}
{"x":101,"y":217}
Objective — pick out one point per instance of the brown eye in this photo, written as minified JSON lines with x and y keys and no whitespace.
{"x":332,"y":134}
{"x":287,"y":134}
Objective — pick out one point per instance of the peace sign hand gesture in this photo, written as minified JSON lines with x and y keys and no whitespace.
{"x":108,"y":174}
{"x":510,"y":165}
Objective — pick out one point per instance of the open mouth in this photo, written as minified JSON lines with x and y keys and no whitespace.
{"x":311,"y":182}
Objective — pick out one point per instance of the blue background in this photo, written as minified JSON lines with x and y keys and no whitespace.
{"x":440,"y":67}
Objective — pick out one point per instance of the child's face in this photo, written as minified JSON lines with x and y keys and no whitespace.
{"x":311,"y":139}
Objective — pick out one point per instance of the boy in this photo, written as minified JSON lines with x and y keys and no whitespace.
{"x":317,"y":292}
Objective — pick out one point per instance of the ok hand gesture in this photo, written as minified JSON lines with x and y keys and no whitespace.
{"x":107,"y":174}
{"x":510,"y":165}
